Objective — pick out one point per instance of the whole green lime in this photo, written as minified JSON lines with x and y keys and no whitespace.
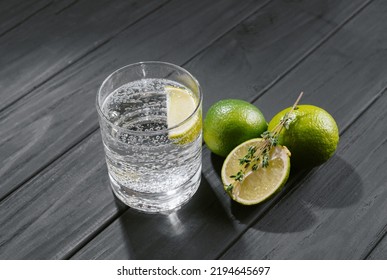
{"x":311,"y":136}
{"x":230,"y":122}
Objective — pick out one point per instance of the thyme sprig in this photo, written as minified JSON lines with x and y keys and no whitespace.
{"x":258,"y":155}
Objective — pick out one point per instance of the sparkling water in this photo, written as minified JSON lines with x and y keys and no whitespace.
{"x":149,"y":170}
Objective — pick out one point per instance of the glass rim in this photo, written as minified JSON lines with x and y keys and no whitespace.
{"x":154,"y":132}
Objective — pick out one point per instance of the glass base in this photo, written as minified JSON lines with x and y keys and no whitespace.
{"x":164,"y":202}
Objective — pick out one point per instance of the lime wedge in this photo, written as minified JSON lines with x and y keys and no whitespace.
{"x":181,"y":104}
{"x":260,"y":184}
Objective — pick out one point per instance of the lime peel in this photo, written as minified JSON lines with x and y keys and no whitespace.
{"x":181,"y":104}
{"x":251,"y":160}
{"x":312,"y":136}
{"x":230,"y":122}
{"x":258,"y":185}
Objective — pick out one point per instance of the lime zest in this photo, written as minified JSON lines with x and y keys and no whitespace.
{"x":256,"y":186}
{"x":181,"y":103}
{"x":258,"y":155}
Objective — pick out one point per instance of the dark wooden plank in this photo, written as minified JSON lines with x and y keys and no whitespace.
{"x":30,"y":231}
{"x":59,"y":35}
{"x":343,"y":76}
{"x":338,"y":212}
{"x":266,"y":46}
{"x":186,"y":234}
{"x":15,"y":13}
{"x":380,"y":251}
{"x":345,"y":73}
{"x":209,"y":237}
{"x":62,"y":112}
{"x":68,"y":115}
{"x":22,"y":235}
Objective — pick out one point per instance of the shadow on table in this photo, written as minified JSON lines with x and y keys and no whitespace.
{"x":316,"y":193}
{"x":334,"y":184}
{"x":266,"y":208}
{"x":207,"y":222}
{"x":339,"y":188}
{"x":242,"y":213}
{"x":203,"y":223}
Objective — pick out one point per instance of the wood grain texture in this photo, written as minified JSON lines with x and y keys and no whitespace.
{"x":42,"y":224}
{"x":17,"y":12}
{"x":343,"y":72}
{"x":68,"y":115}
{"x":51,"y":119}
{"x":265,"y":47}
{"x":113,"y":243}
{"x":338,"y":212}
{"x":380,"y":251}
{"x":69,"y":212}
{"x":57,"y":36}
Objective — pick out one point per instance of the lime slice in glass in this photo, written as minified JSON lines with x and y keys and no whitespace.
{"x":181,"y":104}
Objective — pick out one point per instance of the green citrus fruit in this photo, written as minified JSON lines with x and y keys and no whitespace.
{"x":231,"y":122}
{"x":260,"y":184}
{"x":312,"y":135}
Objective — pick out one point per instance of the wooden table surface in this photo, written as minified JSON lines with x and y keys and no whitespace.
{"x":55,"y":199}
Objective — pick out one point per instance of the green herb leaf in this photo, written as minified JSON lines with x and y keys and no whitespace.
{"x":260,"y":153}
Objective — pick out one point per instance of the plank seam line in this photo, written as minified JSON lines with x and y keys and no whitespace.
{"x":364,"y":109}
{"x":292,"y":188}
{"x":310,"y":51}
{"x":88,"y":134}
{"x":92,"y":131}
{"x":314,"y":48}
{"x":92,"y":235}
{"x":276,"y":202}
{"x":88,"y":52}
{"x":25,"y":19}
{"x":378,"y":241}
{"x":66,"y":7}
{"x":305,"y":175}
{"x":41,"y":169}
{"x":116,"y":216}
{"x":384,"y":230}
{"x":227,"y":32}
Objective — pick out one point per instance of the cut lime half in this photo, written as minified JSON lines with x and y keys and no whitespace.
{"x":260,"y":184}
{"x":181,"y":104}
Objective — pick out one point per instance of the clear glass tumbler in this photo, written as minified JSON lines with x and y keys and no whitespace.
{"x":150,"y":115}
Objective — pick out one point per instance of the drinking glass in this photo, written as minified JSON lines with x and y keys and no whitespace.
{"x":150,"y":115}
